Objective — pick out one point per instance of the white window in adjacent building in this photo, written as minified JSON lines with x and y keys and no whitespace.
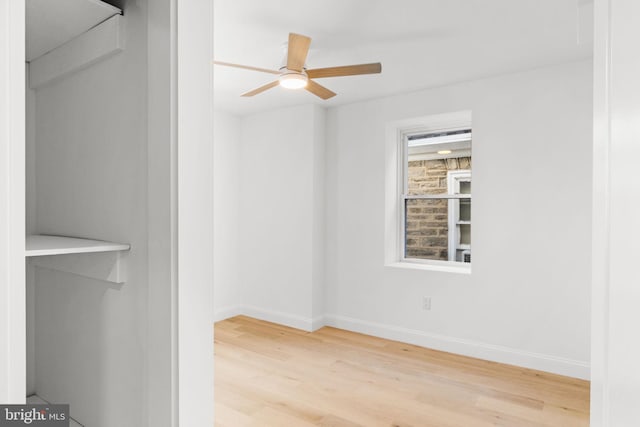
{"x":436,"y":196}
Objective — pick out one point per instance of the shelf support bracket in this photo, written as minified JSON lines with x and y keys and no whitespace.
{"x":105,"y":266}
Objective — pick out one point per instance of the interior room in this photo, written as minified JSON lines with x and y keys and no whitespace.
{"x":338,"y":213}
{"x":323,"y":222}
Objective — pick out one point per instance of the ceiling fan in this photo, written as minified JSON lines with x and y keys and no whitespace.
{"x":295,"y":75}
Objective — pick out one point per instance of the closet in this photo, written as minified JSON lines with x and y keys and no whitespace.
{"x":86,"y":209}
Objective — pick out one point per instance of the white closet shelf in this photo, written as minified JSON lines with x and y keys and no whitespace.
{"x":44,"y":245}
{"x":96,"y":259}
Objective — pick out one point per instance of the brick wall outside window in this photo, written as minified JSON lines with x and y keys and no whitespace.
{"x":427,"y":220}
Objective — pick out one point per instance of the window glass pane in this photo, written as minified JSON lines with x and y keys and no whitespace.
{"x":438,"y":228}
{"x":465,"y":234}
{"x":427,"y":235}
{"x":465,"y":209}
{"x":429,"y":166}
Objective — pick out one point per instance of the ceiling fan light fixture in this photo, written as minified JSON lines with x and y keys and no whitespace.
{"x":293,"y":74}
{"x":293,"y":80}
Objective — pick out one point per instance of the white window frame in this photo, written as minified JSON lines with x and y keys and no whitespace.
{"x":453,"y":185}
{"x":395,"y":189}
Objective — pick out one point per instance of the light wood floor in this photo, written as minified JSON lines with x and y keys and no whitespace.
{"x":271,"y":375}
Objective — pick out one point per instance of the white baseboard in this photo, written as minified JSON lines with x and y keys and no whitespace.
{"x":318,"y":322}
{"x":286,"y":319}
{"x":495,"y":353}
{"x":227,"y":312}
{"x":279,"y":317}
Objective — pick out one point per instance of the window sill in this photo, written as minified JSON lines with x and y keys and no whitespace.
{"x":460,"y":269}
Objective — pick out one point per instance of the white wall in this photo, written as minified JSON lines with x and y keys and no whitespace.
{"x":226,"y":222}
{"x":91,"y":181}
{"x":526,"y":301}
{"x":282,"y":174}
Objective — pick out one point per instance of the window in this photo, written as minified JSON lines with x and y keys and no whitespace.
{"x":436,"y":196}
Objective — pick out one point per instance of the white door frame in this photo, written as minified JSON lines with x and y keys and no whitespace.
{"x":12,"y":203}
{"x":180,"y":213}
{"x":162,"y":227}
{"x":195,"y":211}
{"x":615,"y":349}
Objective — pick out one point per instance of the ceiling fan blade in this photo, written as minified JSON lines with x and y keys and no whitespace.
{"x":246,"y":67}
{"x":319,"y":90}
{"x":261,"y":89}
{"x":347,"y":70}
{"x":297,"y":52}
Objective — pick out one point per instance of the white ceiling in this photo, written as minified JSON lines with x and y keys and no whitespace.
{"x":421,"y":43}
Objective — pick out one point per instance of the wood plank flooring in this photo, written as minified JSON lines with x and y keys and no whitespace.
{"x":271,"y":375}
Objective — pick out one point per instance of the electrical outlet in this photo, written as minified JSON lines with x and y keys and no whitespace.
{"x":426,"y":303}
